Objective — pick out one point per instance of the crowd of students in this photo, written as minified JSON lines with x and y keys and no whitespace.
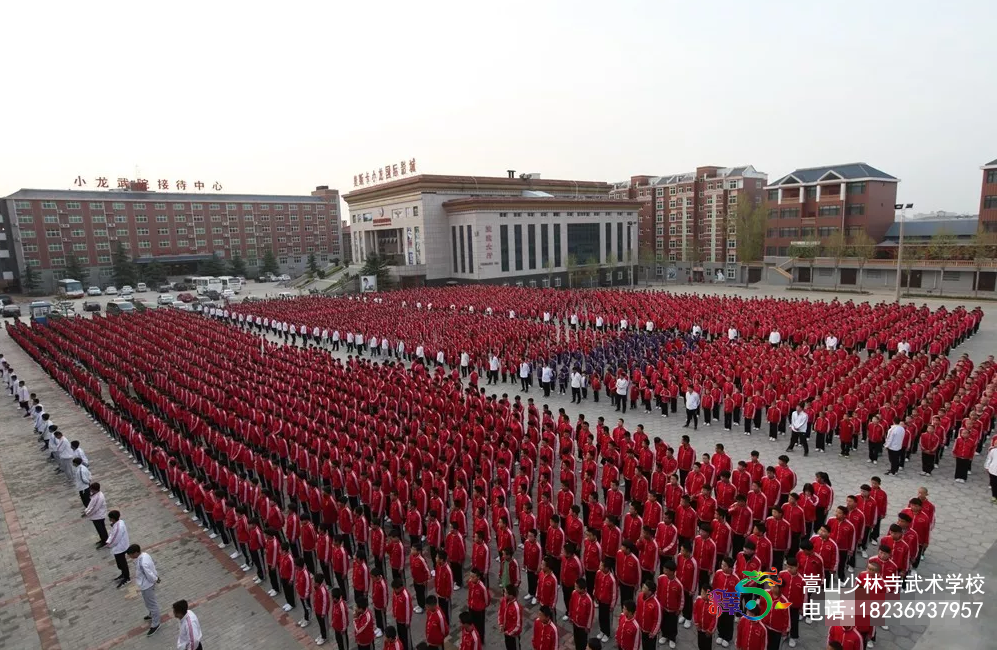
{"x":327,"y":472}
{"x":72,"y":462}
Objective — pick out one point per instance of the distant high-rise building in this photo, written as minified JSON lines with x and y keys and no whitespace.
{"x":988,"y":197}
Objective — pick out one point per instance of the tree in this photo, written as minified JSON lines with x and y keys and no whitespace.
{"x":836,"y":246}
{"x":269,"y":264}
{"x":805,"y":253}
{"x":378,"y":266}
{"x":122,"y":267}
{"x":983,"y":249}
{"x":75,"y":271}
{"x":29,"y":280}
{"x":571,"y":264}
{"x":312,"y":264}
{"x":942,"y":245}
{"x":549,"y":267}
{"x":647,"y":262}
{"x":862,"y":247}
{"x":154,"y":273}
{"x":611,"y":263}
{"x":237,"y":266}
{"x":214,"y":266}
{"x":749,"y":221}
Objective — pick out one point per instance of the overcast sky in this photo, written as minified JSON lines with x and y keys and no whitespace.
{"x":280,"y":97}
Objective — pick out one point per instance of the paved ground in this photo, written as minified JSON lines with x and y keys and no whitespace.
{"x":57,"y":592}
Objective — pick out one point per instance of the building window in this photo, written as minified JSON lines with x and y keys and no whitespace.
{"x":531,"y":245}
{"x":951,"y":276}
{"x":989,"y":202}
{"x":557,"y":245}
{"x":811,"y":192}
{"x":22,"y":205}
{"x":470,"y":249}
{"x":619,"y":242}
{"x":773,"y":195}
{"x":856,"y":188}
{"x":829,"y":210}
{"x":609,"y":239}
{"x":504,"y":247}
{"x":855,"y":210}
{"x":826,"y":232}
{"x":544,"y":246}
{"x":463,"y":267}
{"x":789,"y":213}
{"x":415,"y":211}
{"x":517,"y":242}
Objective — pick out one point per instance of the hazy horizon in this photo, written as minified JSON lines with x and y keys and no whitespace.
{"x":278,"y":102}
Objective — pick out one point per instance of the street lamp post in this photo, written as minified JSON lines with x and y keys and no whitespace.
{"x":902,"y":207}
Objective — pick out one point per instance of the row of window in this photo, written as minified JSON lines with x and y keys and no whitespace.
{"x":801,"y":232}
{"x":852,"y":189}
{"x":504,"y":215}
{"x":99,"y":205}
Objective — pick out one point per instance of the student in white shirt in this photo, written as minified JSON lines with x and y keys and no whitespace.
{"x":493,"y":368}
{"x":697,"y":331}
{"x":63,"y":454}
{"x":775,"y":338}
{"x":81,"y":479}
{"x":622,"y":388}
{"x":692,"y":402}
{"x":118,"y":543}
{"x":895,"y":446}
{"x":831,"y":342}
{"x":440,"y":358}
{"x":731,"y":333}
{"x":420,"y":353}
{"x":335,"y":341}
{"x":96,"y":511}
{"x":576,"y":386}
{"x":798,"y":430}
{"x":546,"y":379}
{"x":624,"y":324}
{"x":189,"y":633}
{"x":146,"y":579}
{"x":524,"y":376}
{"x":465,"y":364}
{"x":349,"y":342}
{"x":79,"y":453}
{"x":599,"y":323}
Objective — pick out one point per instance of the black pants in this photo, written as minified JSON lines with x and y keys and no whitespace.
{"x":669,"y":625}
{"x":101,"y":530}
{"x":404,"y":635}
{"x":895,"y":458}
{"x":458,"y":575}
{"x":875,"y":450}
{"x":85,"y":497}
{"x":511,"y":642}
{"x":725,"y":627}
{"x":122,"y":563}
{"x":323,"y":631}
{"x":687,"y":606}
{"x":621,"y":403}
{"x":799,"y":438}
{"x":605,"y":618}
{"x":774,"y":434}
{"x":420,"y":595}
{"x":479,"y":622}
{"x":962,"y":466}
{"x":846,"y":448}
{"x":274,"y":580}
{"x":794,"y":623}
{"x":342,"y":640}
{"x":646,"y":640}
{"x":775,"y":640}
{"x":288,"y":590}
{"x":692,"y":415}
{"x":993,"y":486}
{"x":927,"y":463}
{"x":576,"y":395}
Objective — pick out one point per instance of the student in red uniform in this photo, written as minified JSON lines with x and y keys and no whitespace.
{"x":437,"y":626}
{"x":285,"y":569}
{"x":340,"y":619}
{"x":510,"y":617}
{"x":777,"y":620}
{"x":581,"y":612}
{"x":303,"y":588}
{"x":751,"y":635}
{"x":420,"y":576}
{"x":547,"y":585}
{"x":478,"y":599}
{"x":792,"y":588}
{"x":321,"y":605}
{"x":705,"y":620}
{"x":607,"y":593}
{"x":544,"y":631}
{"x":627,"y":628}
{"x":401,"y":610}
{"x":846,"y":636}
{"x":648,"y":614}
{"x":443,"y":584}
{"x":671,"y":595}
{"x":469,"y":637}
{"x":363,"y":626}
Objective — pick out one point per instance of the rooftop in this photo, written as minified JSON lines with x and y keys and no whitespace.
{"x":165,"y":197}
{"x":925,"y":228}
{"x":846,"y":172}
{"x":475,"y":184}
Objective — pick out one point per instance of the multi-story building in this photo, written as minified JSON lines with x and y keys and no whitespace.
{"x":988,"y":197}
{"x":809,"y":205}
{"x":177,"y":229}
{"x":525,"y":230}
{"x":692,"y":216}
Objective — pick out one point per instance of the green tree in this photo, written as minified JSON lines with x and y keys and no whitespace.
{"x":154,"y":273}
{"x":237,"y":266}
{"x":647,"y":262}
{"x":749,"y":222}
{"x":377,"y":265}
{"x":942,"y":245}
{"x":269,"y":264}
{"x":122,"y":267}
{"x":836,"y":246}
{"x":312,"y":264}
{"x":571,"y":264}
{"x":611,"y":263}
{"x":549,"y":268}
{"x":214,"y":266}
{"x":29,"y":280}
{"x":75,"y":271}
{"x":862,"y":247}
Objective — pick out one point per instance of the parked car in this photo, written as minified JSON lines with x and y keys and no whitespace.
{"x":181,"y":305}
{"x":111,"y":290}
{"x":284,"y":278}
{"x":11,"y":309}
{"x":5,"y":299}
{"x":141,"y":287}
{"x":228,"y":294}
{"x":127,"y":289}
{"x":213,"y":295}
{"x":116,"y":307}
{"x":91,"y":305}
{"x":143,"y":304}
{"x":185,"y":297}
{"x":165,"y":299}
{"x":94,"y":291}
{"x":127,"y":295}
{"x":163,"y":288}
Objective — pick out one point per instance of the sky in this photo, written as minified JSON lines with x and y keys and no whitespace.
{"x":281,"y":97}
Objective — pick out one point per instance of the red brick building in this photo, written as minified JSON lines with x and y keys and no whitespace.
{"x":177,"y":229}
{"x":688,"y":221}
{"x":988,"y":197}
{"x":809,"y":205}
